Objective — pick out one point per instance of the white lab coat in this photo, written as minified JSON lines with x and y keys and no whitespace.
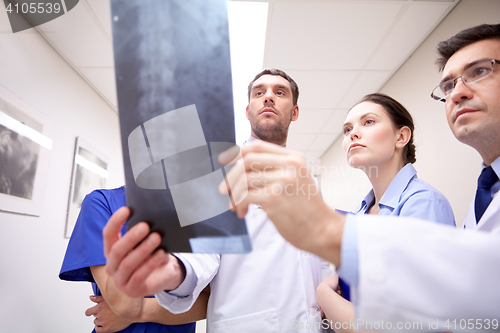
{"x":413,"y":271}
{"x":489,"y":222}
{"x":272,"y":289}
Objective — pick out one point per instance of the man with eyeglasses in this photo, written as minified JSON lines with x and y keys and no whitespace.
{"x":475,"y":71}
{"x":470,"y":89}
{"x":401,"y":270}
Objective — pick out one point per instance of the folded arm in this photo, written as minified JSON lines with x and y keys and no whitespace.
{"x":151,"y":312}
{"x":119,"y":302}
{"x":338,"y":310}
{"x":154,"y":312}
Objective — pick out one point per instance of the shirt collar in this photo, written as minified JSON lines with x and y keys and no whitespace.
{"x":495,"y":166}
{"x":393,"y":193}
{"x":367,"y":201}
{"x":251,"y":139}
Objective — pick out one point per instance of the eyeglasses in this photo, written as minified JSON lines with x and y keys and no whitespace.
{"x":474,"y":73}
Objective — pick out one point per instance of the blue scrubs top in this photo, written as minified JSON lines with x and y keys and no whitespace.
{"x":86,"y":249}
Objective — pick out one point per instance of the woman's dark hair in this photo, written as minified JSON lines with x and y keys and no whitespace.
{"x":399,"y":116}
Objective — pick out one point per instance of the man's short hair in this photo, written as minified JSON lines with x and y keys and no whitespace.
{"x":274,"y":71}
{"x":465,"y":37}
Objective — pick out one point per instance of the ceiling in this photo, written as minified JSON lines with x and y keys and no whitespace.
{"x":337,"y":51}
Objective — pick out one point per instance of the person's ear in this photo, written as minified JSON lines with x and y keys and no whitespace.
{"x":295,"y":113}
{"x":246,"y":112}
{"x":403,"y":136}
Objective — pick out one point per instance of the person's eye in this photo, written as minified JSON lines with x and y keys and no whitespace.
{"x":347,"y":130}
{"x":369,"y":122}
{"x":477,"y":72}
{"x":258,"y":93}
{"x":447,"y":86}
{"x":280,"y":93}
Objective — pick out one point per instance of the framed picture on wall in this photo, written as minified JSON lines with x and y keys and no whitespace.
{"x":25,"y":145}
{"x":89,"y":173}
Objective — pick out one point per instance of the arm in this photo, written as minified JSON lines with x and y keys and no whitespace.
{"x":105,"y":320}
{"x":119,"y":302}
{"x":200,"y":270}
{"x":408,"y":269}
{"x":411,"y":269}
{"x":151,"y":312}
{"x":336,"y":308}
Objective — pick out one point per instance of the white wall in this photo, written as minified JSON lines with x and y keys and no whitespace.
{"x":442,"y":161}
{"x":33,"y":299}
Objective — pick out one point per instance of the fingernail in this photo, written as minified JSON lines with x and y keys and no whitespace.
{"x":223,"y":156}
{"x":151,"y":241}
{"x":121,"y":212}
{"x":140,"y":229}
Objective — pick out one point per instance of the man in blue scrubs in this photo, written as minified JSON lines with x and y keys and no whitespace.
{"x":84,"y":261}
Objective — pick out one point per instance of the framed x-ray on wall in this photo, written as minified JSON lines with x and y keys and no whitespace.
{"x":25,"y":145}
{"x":89,"y":173}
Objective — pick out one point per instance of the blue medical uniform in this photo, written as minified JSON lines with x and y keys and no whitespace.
{"x":86,"y":249}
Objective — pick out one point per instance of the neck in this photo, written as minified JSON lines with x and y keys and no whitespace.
{"x":381,"y":177}
{"x":488,"y":148}
{"x":276,"y":141}
{"x":489,"y":157}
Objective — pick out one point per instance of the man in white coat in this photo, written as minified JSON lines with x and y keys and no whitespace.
{"x":272,"y":289}
{"x":407,"y":275}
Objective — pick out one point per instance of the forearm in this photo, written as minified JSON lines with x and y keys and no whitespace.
{"x":121,"y":304}
{"x":391,"y":251}
{"x":336,"y":309}
{"x":153,"y":312}
{"x":328,"y":236}
{"x":200,"y":271}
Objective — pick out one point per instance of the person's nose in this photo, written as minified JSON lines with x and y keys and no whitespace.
{"x":269,"y":97}
{"x":461,"y":92}
{"x":355,"y":133}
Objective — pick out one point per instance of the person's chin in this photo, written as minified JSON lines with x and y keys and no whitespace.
{"x":268,"y":126}
{"x":465,"y":132}
{"x":356,"y":163}
{"x":267,"y":121}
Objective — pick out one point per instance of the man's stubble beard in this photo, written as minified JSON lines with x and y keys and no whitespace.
{"x":276,"y":133}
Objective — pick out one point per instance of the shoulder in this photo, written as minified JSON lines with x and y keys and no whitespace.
{"x":421,"y":200}
{"x":104,"y":198}
{"x":106,"y":194}
{"x":97,"y":207}
{"x":421,"y":189}
{"x":85,"y":247}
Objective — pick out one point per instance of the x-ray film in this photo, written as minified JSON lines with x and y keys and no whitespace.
{"x":173,"y":78}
